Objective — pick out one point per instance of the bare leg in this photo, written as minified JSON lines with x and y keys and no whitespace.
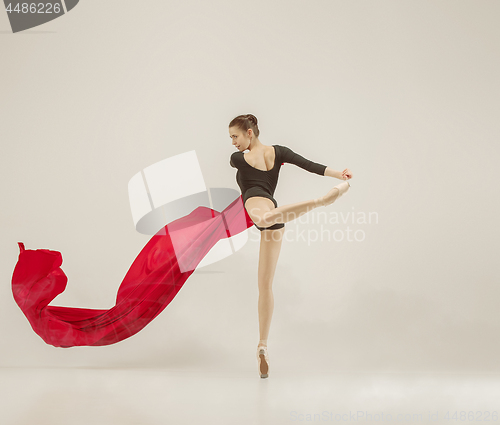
{"x":270,"y":247}
{"x":263,"y":213}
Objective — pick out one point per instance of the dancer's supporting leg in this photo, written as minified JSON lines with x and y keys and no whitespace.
{"x":270,"y":246}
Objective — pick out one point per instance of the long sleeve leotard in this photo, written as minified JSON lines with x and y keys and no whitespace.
{"x":255,"y":182}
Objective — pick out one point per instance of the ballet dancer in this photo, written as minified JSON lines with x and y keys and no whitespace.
{"x":257,"y":177}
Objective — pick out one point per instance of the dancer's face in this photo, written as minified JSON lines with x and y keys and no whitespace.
{"x":240,"y":139}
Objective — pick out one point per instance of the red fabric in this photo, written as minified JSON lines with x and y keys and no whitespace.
{"x":153,"y":280}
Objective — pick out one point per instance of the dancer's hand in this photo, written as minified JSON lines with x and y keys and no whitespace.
{"x":346,"y":174}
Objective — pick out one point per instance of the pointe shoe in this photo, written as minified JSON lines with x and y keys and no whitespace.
{"x":263,"y":361}
{"x":341,"y":188}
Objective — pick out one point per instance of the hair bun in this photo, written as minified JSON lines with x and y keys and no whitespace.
{"x":252,"y":118}
{"x":245,"y":122}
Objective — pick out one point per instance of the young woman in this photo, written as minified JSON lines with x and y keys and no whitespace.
{"x":257,"y":177}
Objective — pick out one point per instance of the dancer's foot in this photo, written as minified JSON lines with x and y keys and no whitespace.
{"x":334,"y":194}
{"x":263,"y":361}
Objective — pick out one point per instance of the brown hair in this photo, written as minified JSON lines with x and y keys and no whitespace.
{"x":245,"y":122}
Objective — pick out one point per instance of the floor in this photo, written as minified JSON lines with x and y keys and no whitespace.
{"x":160,"y":396}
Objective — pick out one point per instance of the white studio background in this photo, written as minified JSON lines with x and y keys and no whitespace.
{"x":405,"y":94}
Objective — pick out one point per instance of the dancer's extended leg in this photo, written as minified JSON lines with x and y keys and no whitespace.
{"x":262,"y":211}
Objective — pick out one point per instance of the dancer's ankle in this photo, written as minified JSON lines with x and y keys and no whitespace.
{"x":319,"y":202}
{"x":263,"y":342}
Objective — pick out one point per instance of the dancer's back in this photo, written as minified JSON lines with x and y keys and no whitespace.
{"x":249,"y":177}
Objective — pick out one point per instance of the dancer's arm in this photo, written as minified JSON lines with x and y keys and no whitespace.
{"x":313,"y":167}
{"x":294,"y":158}
{"x":231,"y":160}
{"x":330,"y":172}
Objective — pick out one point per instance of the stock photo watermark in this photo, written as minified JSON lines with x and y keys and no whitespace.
{"x":328,"y":226}
{"x":451,"y":416}
{"x":25,"y":14}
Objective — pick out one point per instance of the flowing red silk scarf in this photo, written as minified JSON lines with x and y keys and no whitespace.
{"x":153,"y":280}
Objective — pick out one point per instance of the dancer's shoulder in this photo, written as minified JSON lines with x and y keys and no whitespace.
{"x":234,"y":159}
{"x":282,"y":147}
{"x":283,"y":150}
{"x":236,"y":154}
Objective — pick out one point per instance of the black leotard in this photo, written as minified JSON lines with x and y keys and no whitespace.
{"x":255,"y":182}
